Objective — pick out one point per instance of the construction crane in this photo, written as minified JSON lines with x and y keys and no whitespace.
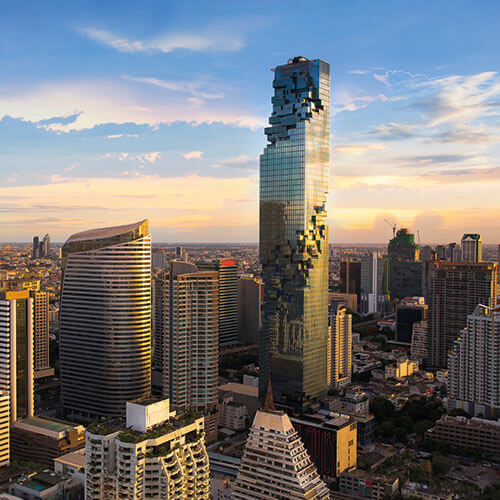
{"x":392,"y":226}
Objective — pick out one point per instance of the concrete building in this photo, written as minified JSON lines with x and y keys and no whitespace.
{"x":350,"y":277}
{"x":339,"y":353}
{"x":417,"y":490}
{"x":247,"y":395}
{"x":409,"y":311}
{"x":232,"y":415}
{"x":405,"y":268}
{"x":455,"y":291}
{"x":185,"y":339}
{"x":152,"y":454}
{"x":472,"y":248}
{"x":419,"y":341}
{"x":330,"y":439}
{"x":227,"y":277}
{"x":4,"y":428}
{"x":71,"y":465}
{"x":105,"y":320}
{"x":16,"y":351}
{"x":275,"y":463}
{"x":374,"y":284}
{"x":361,"y":484}
{"x":42,"y":439}
{"x":250,"y":295}
{"x":348,"y":300}
{"x":46,"y":486}
{"x":473,"y":434}
{"x":474,"y":365}
{"x":401,"y":368}
{"x":40,"y":322}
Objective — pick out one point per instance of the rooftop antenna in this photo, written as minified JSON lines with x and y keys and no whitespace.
{"x":392,"y":226}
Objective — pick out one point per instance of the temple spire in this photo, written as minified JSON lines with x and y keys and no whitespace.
{"x":269,"y":402}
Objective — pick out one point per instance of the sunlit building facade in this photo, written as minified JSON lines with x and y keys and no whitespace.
{"x":105,"y":320}
{"x":294,"y":172}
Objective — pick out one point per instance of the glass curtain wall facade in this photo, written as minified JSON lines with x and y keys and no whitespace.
{"x":105,"y":320}
{"x":294,"y":172}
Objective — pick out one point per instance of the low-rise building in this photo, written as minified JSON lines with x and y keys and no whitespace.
{"x":418,"y":490}
{"x":330,"y":439}
{"x":401,"y":368}
{"x":45,"y":486}
{"x":232,"y":415}
{"x":42,"y":439}
{"x":71,"y":465}
{"x":153,"y":454}
{"x":241,"y":393}
{"x":467,"y":434}
{"x":358,"y":483}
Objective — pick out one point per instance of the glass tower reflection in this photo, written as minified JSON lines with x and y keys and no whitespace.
{"x":294,"y":172}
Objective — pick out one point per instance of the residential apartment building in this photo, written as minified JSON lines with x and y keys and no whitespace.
{"x":474,"y":365}
{"x":152,"y":454}
{"x":339,"y":353}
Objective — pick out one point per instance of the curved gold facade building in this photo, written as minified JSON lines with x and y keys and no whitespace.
{"x":105,"y":320}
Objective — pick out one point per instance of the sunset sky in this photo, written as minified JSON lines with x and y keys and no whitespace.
{"x":111,"y":112}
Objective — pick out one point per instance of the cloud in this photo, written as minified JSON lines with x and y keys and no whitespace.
{"x":197,"y":42}
{"x":394,"y":131}
{"x":198,"y":89}
{"x":151,"y":157}
{"x":436,"y":158}
{"x":193,"y":155}
{"x":459,"y":99}
{"x":171,"y":207}
{"x":349,"y":103}
{"x":245,"y":162}
{"x":61,"y":120}
{"x":357,"y":149}
{"x":110,"y":101}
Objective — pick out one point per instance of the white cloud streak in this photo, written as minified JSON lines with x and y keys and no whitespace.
{"x":196,"y":42}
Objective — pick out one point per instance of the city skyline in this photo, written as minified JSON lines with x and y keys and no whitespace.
{"x":147,"y":112}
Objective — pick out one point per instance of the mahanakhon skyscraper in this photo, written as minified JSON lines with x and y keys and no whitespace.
{"x":294,"y":173}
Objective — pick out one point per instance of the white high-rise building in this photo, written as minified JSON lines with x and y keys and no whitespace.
{"x":275,"y":463}
{"x":105,"y":320}
{"x":373,"y":283}
{"x":474,"y":364}
{"x":4,"y":428}
{"x":339,"y":356}
{"x":16,"y":351}
{"x":154,"y":455}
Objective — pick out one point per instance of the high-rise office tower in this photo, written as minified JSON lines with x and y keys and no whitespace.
{"x":405,"y":270}
{"x":275,"y":463}
{"x":105,"y":320}
{"x":472,"y":248}
{"x":350,"y":277}
{"x":227,"y":272}
{"x":250,"y":293}
{"x":474,"y":364}
{"x":294,"y":173}
{"x":16,"y":351}
{"x":456,"y":289}
{"x":152,"y":455}
{"x":428,"y":256}
{"x":374,"y":284}
{"x":453,"y":253}
{"x":40,"y":321}
{"x":186,"y":355}
{"x":340,"y":348}
{"x":36,"y":244}
{"x":46,"y":245}
{"x":4,"y":428}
